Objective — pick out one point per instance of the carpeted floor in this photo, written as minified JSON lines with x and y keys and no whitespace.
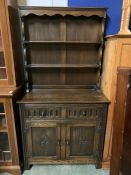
{"x":64,"y":170}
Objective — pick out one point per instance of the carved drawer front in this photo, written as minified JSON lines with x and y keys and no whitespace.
{"x":84,"y":112}
{"x":45,"y":112}
{"x":82,"y":141}
{"x":49,"y":112}
{"x":43,"y":140}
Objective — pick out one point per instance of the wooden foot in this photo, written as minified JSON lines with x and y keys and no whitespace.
{"x":14,"y":170}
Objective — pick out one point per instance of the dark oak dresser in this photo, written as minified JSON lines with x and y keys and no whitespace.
{"x":63,"y":113}
{"x":121,"y":145}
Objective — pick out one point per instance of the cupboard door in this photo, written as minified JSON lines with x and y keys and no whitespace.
{"x":6,"y":62}
{"x":82,"y":141}
{"x":5,"y":153}
{"x":43,"y":140}
{"x":3,"y":75}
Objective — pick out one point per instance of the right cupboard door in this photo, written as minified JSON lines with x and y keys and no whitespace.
{"x":82,"y":142}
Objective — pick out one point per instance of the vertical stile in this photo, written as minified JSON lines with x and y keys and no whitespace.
{"x":24,"y":55}
{"x":63,"y":56}
{"x":100,"y":52}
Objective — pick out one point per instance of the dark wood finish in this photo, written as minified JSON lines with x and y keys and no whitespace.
{"x":64,"y":105}
{"x":26,"y":10}
{"x":60,"y":127}
{"x":60,"y":42}
{"x":121,"y":150}
{"x":77,"y":43}
{"x":63,"y":66}
{"x":64,"y":96}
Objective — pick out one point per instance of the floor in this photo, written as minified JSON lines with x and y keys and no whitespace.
{"x":64,"y":170}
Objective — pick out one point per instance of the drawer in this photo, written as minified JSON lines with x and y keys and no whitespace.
{"x":63,"y":111}
{"x":39,"y":111}
{"x":85,"y":111}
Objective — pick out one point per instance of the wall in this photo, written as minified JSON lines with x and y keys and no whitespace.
{"x":113,"y":13}
{"x":58,"y":3}
{"x":22,"y":2}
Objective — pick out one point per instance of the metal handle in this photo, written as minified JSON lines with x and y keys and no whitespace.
{"x":67,"y":142}
{"x":58,"y":142}
{"x":83,"y":113}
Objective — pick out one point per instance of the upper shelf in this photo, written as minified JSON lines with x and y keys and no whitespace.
{"x":40,"y":11}
{"x":64,"y":42}
{"x":63,"y":66}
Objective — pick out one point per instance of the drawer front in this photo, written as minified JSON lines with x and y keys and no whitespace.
{"x":44,"y":112}
{"x":61,"y":111}
{"x":87,"y":111}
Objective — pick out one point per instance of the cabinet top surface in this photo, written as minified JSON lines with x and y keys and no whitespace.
{"x":64,"y":96}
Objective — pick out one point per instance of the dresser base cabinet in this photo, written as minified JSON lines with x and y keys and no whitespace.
{"x":62,"y":133}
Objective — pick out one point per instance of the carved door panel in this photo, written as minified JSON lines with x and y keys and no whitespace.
{"x":43,"y":140}
{"x":82,"y":141}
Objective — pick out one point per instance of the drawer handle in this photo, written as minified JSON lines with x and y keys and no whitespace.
{"x":83,"y":113}
{"x":67,"y":142}
{"x":58,"y":142}
{"x":44,"y":113}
